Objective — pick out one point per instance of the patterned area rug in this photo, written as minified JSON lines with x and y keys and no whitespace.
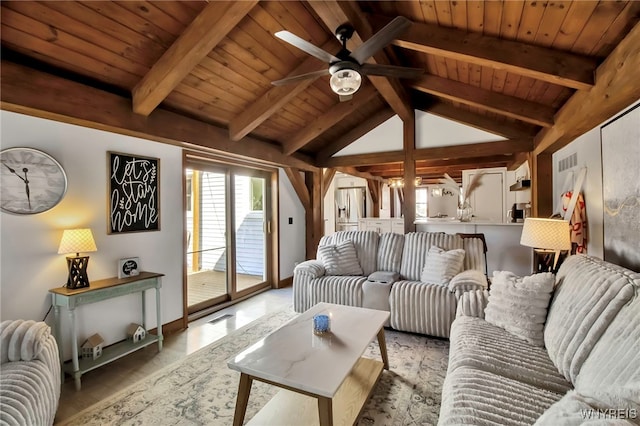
{"x":201,"y":389}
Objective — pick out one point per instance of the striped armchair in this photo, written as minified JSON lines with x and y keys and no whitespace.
{"x":415,"y":306}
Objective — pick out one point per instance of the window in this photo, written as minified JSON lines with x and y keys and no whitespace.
{"x":189,"y":190}
{"x":257,"y":191}
{"x":421,"y":202}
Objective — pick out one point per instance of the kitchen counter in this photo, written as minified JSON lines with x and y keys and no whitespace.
{"x":503,"y":242}
{"x":453,"y":221}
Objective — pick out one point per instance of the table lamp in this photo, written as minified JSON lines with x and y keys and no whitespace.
{"x":76,"y":241}
{"x":546,"y":236}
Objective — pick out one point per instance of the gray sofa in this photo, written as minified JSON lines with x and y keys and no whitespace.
{"x":415,"y":306}
{"x":30,"y":373}
{"x":587,"y":372}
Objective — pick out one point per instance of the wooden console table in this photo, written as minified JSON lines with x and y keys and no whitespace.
{"x":98,"y":291}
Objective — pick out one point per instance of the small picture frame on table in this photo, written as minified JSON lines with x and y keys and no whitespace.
{"x":128,"y":267}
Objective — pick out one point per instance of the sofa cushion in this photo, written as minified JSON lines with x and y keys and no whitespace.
{"x":416,"y":247}
{"x":340,"y":259}
{"x":390,"y":252}
{"x":519,"y":304}
{"x":611,"y":372}
{"x":422,"y":308}
{"x":472,"y":303}
{"x":477,"y":397}
{"x":341,"y":290}
{"x":366,"y":244}
{"x":474,"y":255}
{"x":441,"y":265}
{"x":484,"y":346}
{"x":589,"y":294}
{"x":575,"y":410}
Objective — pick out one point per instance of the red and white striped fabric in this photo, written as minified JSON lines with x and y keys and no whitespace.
{"x":578,"y":222}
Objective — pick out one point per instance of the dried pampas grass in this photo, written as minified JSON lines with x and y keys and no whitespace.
{"x":449,"y":183}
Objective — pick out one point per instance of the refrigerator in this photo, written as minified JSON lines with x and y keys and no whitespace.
{"x":350,"y":205}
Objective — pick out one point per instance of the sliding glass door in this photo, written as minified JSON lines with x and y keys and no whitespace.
{"x":227,"y":233}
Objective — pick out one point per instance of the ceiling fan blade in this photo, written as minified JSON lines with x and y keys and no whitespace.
{"x":305,"y":46}
{"x":380,"y":39}
{"x":345,"y":98}
{"x":296,"y":78}
{"x":391,"y":71}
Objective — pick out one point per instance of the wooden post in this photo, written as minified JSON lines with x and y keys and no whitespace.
{"x":409,"y":144}
{"x":374,"y":192}
{"x":542,"y":185}
{"x":314,"y":217}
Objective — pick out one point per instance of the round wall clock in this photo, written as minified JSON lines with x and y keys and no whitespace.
{"x":31,"y":181}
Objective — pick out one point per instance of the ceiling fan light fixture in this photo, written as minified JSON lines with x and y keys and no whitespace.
{"x":345,"y":82}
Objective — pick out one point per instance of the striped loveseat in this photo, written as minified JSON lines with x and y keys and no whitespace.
{"x":415,"y":306}
{"x":587,"y":372}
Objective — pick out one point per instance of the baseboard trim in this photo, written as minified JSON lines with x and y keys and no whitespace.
{"x":285,"y":282}
{"x":170,"y":327}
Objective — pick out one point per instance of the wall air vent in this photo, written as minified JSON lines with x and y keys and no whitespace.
{"x":568,"y":162}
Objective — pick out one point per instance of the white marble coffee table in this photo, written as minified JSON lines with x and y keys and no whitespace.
{"x":328,"y":368}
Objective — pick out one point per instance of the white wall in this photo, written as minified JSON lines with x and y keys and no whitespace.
{"x":292,"y":237}
{"x":433,"y":131}
{"x":589,"y":150}
{"x":29,"y":259}
{"x":30,"y":265}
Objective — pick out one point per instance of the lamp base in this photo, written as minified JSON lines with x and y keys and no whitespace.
{"x":547,"y":260}
{"x":77,"y":272}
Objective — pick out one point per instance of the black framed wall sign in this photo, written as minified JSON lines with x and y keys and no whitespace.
{"x":134,"y":193}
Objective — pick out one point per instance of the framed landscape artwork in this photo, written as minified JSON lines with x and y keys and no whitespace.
{"x":134,"y":193}
{"x":621,"y":189}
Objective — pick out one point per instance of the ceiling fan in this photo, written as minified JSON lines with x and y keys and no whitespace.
{"x":345,"y":67}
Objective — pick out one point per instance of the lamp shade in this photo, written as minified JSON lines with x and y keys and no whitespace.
{"x":549,"y":234}
{"x":77,"y":241}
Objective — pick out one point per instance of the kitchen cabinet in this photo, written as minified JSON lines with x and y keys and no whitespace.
{"x":489,"y":199}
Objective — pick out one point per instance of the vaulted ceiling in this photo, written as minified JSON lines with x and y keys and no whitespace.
{"x":200,"y":73}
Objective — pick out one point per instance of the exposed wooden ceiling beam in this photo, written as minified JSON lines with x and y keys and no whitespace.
{"x":333,"y":14}
{"x":510,"y":106}
{"x":327,"y":177}
{"x":465,"y":151}
{"x":299,"y":186}
{"x":354,"y":134}
{"x":617,"y":86}
{"x":328,"y":120}
{"x":36,"y":93}
{"x":364,"y":159}
{"x":475,"y":150}
{"x":515,"y":130}
{"x":276,"y":97}
{"x":215,"y":21}
{"x":467,"y":163}
{"x":541,"y":63}
{"x":357,"y":173}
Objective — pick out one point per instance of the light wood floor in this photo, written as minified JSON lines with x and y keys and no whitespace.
{"x":206,"y":285}
{"x":112,"y":378}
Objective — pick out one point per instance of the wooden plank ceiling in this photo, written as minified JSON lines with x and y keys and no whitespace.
{"x":506,"y":67}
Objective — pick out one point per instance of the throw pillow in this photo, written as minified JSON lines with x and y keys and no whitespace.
{"x":442,"y":265}
{"x":340,"y":259}
{"x":519,"y":304}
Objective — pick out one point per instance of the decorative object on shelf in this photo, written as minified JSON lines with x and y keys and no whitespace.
{"x":465,"y":213}
{"x":321,"y":324}
{"x":77,"y":241}
{"x":128,"y":267}
{"x":465,"y":210}
{"x":547,"y":237}
{"x":31,"y":181}
{"x":398,"y":182}
{"x":441,"y":192}
{"x":134,"y":193}
{"x":92,"y":347}
{"x":136,"y":333}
